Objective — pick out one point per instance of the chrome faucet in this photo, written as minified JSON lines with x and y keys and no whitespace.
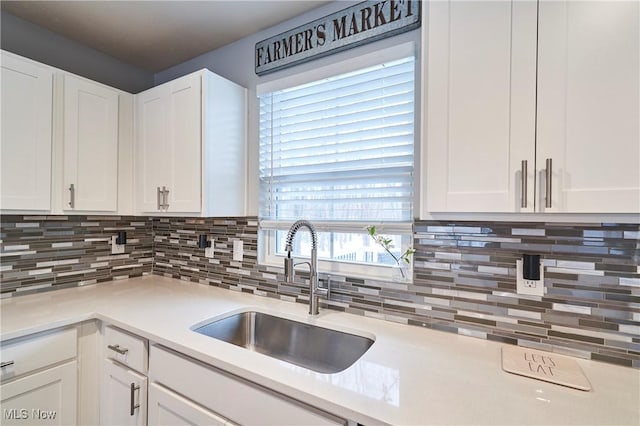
{"x":289,"y":271}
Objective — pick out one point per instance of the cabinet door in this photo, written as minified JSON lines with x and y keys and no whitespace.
{"x":589,"y":105}
{"x":25,"y":150}
{"x":167,"y":408}
{"x":90,"y":146}
{"x":168,"y":153}
{"x":152,"y":147}
{"x":45,"y":398}
{"x":119,"y":398}
{"x":185,"y":156}
{"x":480,"y":106}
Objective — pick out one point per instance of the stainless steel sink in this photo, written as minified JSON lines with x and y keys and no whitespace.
{"x":316,"y":348}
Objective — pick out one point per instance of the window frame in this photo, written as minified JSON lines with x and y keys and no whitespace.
{"x":268,"y":256}
{"x":267,"y":250}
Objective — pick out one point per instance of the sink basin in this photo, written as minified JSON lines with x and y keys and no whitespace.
{"x":316,"y":348}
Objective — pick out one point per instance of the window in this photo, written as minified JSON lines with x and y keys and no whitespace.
{"x":338,"y":151}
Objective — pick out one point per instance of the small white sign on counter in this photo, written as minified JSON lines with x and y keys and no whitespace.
{"x":544,"y":366}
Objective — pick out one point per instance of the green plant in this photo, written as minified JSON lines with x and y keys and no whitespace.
{"x":387,"y":244}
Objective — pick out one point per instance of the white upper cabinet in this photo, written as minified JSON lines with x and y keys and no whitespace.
{"x":151,"y":147}
{"x":168,"y":146}
{"x":26,"y":145}
{"x":480,"y":108}
{"x":184,"y":147}
{"x":589,"y":106}
{"x":514,"y":86}
{"x":90,"y":146}
{"x":190,"y":147}
{"x":67,"y":142}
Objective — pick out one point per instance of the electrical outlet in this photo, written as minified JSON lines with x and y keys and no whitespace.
{"x":208,"y":252}
{"x":238,"y":251}
{"x":116,"y":248}
{"x":530,"y":287}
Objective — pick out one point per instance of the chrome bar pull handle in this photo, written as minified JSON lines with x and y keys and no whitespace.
{"x":523,"y":187}
{"x":133,"y":404}
{"x":165,"y":198}
{"x":159,"y":194}
{"x":72,"y":196}
{"x":118,"y":349}
{"x":6,"y":364}
{"x":548,"y":177}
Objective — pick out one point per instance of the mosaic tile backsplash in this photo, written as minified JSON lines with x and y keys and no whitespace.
{"x":464,"y":276}
{"x":464,"y":281}
{"x":53,"y":252}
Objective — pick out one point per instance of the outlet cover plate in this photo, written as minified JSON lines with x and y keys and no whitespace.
{"x":208,"y":252}
{"x":116,"y":248}
{"x":238,"y":250}
{"x":530,"y":287}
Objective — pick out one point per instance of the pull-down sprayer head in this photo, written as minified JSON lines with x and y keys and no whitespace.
{"x":289,"y":272}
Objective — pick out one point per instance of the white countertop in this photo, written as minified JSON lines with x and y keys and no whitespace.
{"x":410,"y":376}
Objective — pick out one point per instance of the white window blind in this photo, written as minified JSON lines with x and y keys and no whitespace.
{"x":340,"y":149}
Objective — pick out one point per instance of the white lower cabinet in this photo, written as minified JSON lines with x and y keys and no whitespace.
{"x":229,"y":396}
{"x":47,"y":397}
{"x":44,"y":398}
{"x":40,"y":379}
{"x":124,"y":396}
{"x":43,"y":379}
{"x":167,"y":408}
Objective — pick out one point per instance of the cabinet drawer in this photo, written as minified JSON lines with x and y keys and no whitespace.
{"x":125,"y":348}
{"x":167,"y":408}
{"x":236,"y":399}
{"x":35,"y":352}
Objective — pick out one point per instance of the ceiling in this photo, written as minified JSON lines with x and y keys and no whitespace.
{"x":155,"y":35}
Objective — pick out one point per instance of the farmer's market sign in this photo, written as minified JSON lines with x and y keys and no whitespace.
{"x":351,"y":27}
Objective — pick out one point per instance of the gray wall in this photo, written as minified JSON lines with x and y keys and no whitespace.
{"x":34,"y":42}
{"x":236,"y":63}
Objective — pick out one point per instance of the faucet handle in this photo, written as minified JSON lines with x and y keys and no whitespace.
{"x":326,"y":291}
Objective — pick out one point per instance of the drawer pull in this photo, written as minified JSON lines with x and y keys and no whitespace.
{"x":133,"y":404}
{"x":117,"y":348}
{"x":523,"y":190}
{"x":6,"y":364}
{"x":548,"y":178}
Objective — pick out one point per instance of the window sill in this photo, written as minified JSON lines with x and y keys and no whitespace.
{"x":343,"y":269}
